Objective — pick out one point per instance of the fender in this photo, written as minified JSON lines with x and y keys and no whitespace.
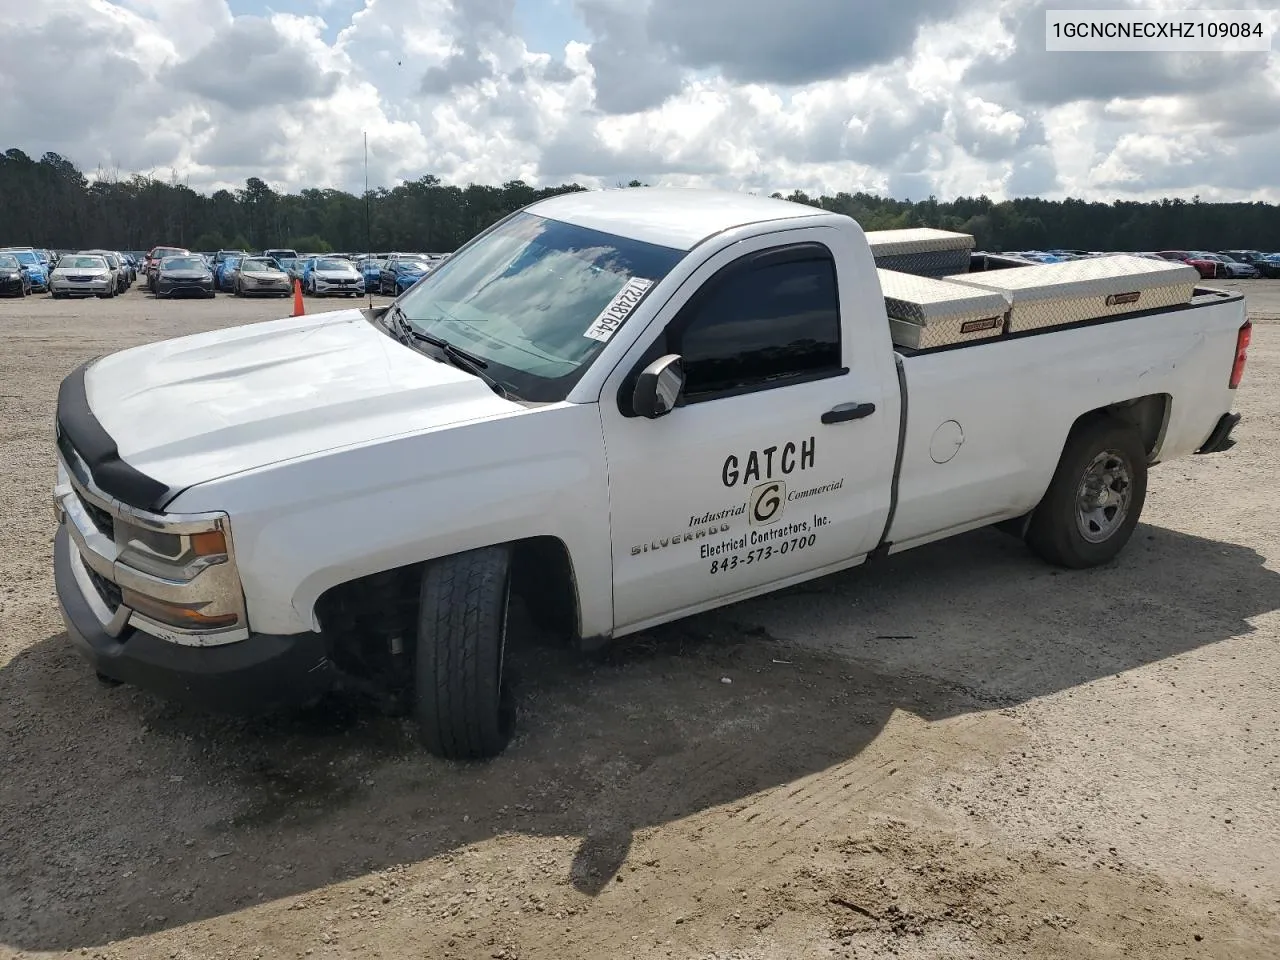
{"x":309,"y":524}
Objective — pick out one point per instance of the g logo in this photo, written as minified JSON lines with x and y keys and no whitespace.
{"x":767,"y":501}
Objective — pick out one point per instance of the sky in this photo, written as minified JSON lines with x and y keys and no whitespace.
{"x":903,"y":98}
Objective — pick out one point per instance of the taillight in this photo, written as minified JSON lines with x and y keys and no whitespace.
{"x":1242,"y":354}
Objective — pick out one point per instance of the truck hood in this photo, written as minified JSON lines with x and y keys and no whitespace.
{"x":197,"y":408}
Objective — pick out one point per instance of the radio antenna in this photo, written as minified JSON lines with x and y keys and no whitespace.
{"x":368,"y":221}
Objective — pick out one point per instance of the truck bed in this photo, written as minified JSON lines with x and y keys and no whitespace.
{"x":983,"y":428}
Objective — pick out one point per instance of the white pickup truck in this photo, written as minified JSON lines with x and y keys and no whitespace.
{"x":622,"y":407}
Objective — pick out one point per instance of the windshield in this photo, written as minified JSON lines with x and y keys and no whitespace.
{"x":411,"y":266}
{"x":333,"y":265}
{"x":8,"y":262}
{"x":259,"y":266}
{"x":27,"y":257}
{"x":537,"y":299}
{"x":184,"y":263}
{"x":82,"y":263}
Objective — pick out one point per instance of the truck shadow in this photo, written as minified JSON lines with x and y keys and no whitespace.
{"x":127,"y":815}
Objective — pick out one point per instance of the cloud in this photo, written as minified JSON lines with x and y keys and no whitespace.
{"x":819,"y":95}
{"x":252,"y":62}
{"x":764,"y":41}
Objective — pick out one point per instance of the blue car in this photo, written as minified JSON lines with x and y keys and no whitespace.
{"x":399,"y":275}
{"x":371,"y":269}
{"x":37,"y":272}
{"x":224,"y":273}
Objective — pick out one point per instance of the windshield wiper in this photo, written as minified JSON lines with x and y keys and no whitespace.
{"x":455,"y":355}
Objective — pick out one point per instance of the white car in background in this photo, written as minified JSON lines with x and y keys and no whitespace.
{"x":333,"y":275}
{"x":82,"y":275}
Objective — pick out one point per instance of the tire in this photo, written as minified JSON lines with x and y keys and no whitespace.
{"x":461,"y":706}
{"x":1105,"y":448}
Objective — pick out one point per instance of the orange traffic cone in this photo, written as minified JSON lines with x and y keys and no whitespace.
{"x":299,"y":308}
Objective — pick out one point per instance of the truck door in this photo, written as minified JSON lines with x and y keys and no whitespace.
{"x":777,"y":460}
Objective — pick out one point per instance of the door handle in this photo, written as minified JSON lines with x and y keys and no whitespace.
{"x":848,"y":411}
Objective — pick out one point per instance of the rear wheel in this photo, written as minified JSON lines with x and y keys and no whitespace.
{"x":462,"y":709}
{"x":1095,"y":498}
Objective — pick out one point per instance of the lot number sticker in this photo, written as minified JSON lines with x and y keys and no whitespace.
{"x":619,"y":308}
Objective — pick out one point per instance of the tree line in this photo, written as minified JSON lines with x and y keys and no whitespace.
{"x":51,"y":203}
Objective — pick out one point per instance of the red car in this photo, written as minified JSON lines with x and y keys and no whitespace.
{"x":1209,"y":269}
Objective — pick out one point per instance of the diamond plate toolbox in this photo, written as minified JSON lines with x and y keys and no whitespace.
{"x":925,"y":313}
{"x":920,"y":250}
{"x":1056,"y":294}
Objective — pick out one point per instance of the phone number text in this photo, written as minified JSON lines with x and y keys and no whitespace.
{"x":760,"y":554}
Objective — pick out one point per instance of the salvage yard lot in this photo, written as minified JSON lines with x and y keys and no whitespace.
{"x":959,"y":753}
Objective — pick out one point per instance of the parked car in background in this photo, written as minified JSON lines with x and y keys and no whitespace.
{"x":371,"y":269}
{"x":279,"y":253}
{"x":152,"y":262}
{"x":37,"y":272}
{"x":402,"y":273}
{"x":116,"y":264}
{"x":286,"y":264}
{"x":1255,"y":258}
{"x":261,"y":275}
{"x":223,"y":255}
{"x":224,"y":273}
{"x":14,"y":278}
{"x":1239,"y":269}
{"x":298,"y":269}
{"x":326,"y":276}
{"x":1208,"y":269}
{"x":82,"y":275}
{"x":184,"y":276}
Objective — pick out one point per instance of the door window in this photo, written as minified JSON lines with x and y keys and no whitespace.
{"x":771,"y":321}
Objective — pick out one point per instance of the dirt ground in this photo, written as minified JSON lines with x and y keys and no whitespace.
{"x":961,"y":753}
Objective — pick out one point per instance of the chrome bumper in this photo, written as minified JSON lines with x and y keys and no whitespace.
{"x":87,"y":286}
{"x":96,"y":555}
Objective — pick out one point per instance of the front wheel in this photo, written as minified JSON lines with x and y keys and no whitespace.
{"x":463,"y":711}
{"x":1095,"y":498}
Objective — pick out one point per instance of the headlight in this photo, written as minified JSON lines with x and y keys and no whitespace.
{"x":174,"y":556}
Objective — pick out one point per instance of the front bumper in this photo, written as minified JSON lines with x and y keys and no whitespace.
{"x":84,"y":288}
{"x":332,"y":286}
{"x":256,"y":675}
{"x":13,"y":288}
{"x":169,"y":288}
{"x":282,"y":288}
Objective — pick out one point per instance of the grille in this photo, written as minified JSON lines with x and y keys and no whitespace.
{"x":101,"y":519}
{"x":108,"y":591}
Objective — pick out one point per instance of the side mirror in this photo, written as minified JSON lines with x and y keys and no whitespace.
{"x":659,"y":387}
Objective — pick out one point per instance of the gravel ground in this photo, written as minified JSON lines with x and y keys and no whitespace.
{"x":962,"y":753}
